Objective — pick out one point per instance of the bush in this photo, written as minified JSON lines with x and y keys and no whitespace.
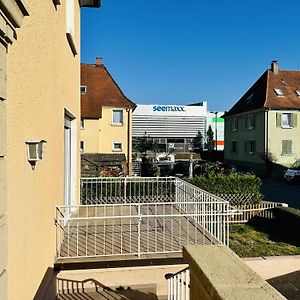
{"x":288,"y":218}
{"x":233,"y":183}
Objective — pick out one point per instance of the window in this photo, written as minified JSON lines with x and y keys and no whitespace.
{"x":82,"y":123}
{"x":234,"y":146}
{"x":81,"y":146}
{"x":117,"y":117}
{"x":249,"y":122}
{"x":234,"y":124}
{"x":298,"y":93}
{"x":83,"y":89}
{"x":279,"y":92}
{"x":117,"y":146}
{"x":286,"y":120}
{"x":286,"y":147}
{"x":250,"y":147}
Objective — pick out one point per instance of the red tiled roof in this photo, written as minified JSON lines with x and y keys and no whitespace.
{"x":101,"y":90}
{"x":262,"y":94}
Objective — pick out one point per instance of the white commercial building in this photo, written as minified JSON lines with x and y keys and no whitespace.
{"x":171,"y":126}
{"x":217,"y":125}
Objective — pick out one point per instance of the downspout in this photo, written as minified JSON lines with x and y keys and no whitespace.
{"x":128,"y":140}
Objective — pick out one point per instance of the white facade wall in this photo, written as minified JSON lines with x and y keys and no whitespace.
{"x":217,"y":124}
{"x":169,"y":121}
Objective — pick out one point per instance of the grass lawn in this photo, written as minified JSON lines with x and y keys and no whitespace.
{"x":262,"y":237}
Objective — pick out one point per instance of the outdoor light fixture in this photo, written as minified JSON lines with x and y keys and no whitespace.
{"x":90,"y":3}
{"x":35,"y":151}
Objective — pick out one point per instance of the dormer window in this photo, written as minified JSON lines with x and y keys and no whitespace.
{"x":298,"y":93}
{"x":279,"y":92}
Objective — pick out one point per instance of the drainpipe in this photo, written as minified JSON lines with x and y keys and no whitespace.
{"x":128,"y":139}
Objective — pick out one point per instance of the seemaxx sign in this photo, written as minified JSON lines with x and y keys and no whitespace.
{"x":168,"y":108}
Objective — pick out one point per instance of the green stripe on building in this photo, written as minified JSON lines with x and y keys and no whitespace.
{"x":218,"y":120}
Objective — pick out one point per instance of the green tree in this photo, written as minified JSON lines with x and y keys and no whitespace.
{"x":210,"y":140}
{"x":144,"y":143}
{"x":198,"y":142}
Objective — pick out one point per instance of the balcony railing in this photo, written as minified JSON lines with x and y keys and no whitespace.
{"x":179,"y":285}
{"x":136,"y":216}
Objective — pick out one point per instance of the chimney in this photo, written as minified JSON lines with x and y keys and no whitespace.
{"x":99,"y":61}
{"x":274,"y":67}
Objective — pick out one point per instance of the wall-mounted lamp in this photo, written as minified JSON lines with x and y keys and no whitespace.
{"x":35,"y":151}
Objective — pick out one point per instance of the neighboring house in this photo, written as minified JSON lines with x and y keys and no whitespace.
{"x":39,"y":137}
{"x":105,"y":117}
{"x":265,"y":122}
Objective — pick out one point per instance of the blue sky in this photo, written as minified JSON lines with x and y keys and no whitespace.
{"x":180,"y":52}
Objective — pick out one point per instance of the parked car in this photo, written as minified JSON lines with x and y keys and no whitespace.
{"x":293,"y":173}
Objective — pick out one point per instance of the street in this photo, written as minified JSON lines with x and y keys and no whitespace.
{"x":278,"y":191}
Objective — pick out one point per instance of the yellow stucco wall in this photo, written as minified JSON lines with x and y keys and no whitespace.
{"x":98,"y":135}
{"x":277,"y":134}
{"x":43,"y":78}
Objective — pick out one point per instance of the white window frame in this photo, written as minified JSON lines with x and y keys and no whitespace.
{"x":234,"y":124}
{"x":287,"y":154}
{"x":251,"y":150}
{"x":279,"y":92}
{"x":117,"y":110}
{"x":82,"y":123}
{"x":117,"y":149}
{"x":84,"y":87}
{"x":289,"y":119}
{"x":82,"y":146}
{"x":249,"y":122}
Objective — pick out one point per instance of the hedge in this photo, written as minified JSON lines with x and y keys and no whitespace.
{"x":288,"y":218}
{"x":233,"y":183}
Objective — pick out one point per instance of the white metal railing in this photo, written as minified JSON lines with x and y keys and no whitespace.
{"x":123,"y":216}
{"x":248,"y":211}
{"x":104,"y":190}
{"x":132,"y":228}
{"x":179,"y":285}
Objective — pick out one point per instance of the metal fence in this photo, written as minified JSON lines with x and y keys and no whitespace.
{"x":249,"y":211}
{"x":179,"y":285}
{"x":135,"y":216}
{"x":104,"y":190}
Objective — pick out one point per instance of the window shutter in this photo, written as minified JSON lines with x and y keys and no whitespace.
{"x":294,"y":120}
{"x":254,"y":121}
{"x":278,"y":119}
{"x":289,"y":147}
{"x":286,"y":147}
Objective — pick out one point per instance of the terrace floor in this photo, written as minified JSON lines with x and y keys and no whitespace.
{"x":144,"y":236}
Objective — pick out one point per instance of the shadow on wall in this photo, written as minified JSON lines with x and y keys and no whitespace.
{"x":47,"y":289}
{"x":91,"y":289}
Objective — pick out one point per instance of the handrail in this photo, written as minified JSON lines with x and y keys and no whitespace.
{"x":170,"y":275}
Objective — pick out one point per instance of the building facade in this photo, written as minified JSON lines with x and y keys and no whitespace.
{"x":215,"y":120}
{"x":263,"y":126}
{"x":172,"y":127}
{"x":106,"y":115}
{"x":40,"y":114}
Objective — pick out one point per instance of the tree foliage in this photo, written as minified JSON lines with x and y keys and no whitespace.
{"x":144,"y":143}
{"x":210,"y":139}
